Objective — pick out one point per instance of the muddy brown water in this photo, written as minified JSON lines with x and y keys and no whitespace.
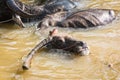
{"x":102,"y":64}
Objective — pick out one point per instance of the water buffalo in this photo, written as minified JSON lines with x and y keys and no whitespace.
{"x":58,"y":42}
{"x":79,"y":19}
{"x":16,"y":10}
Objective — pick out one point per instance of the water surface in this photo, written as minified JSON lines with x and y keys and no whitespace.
{"x":102,"y":64}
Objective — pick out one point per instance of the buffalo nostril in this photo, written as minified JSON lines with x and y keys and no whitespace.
{"x":112,"y":13}
{"x":83,"y":44}
{"x":50,"y":23}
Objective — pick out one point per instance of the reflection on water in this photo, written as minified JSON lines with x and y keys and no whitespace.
{"x":102,"y":64}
